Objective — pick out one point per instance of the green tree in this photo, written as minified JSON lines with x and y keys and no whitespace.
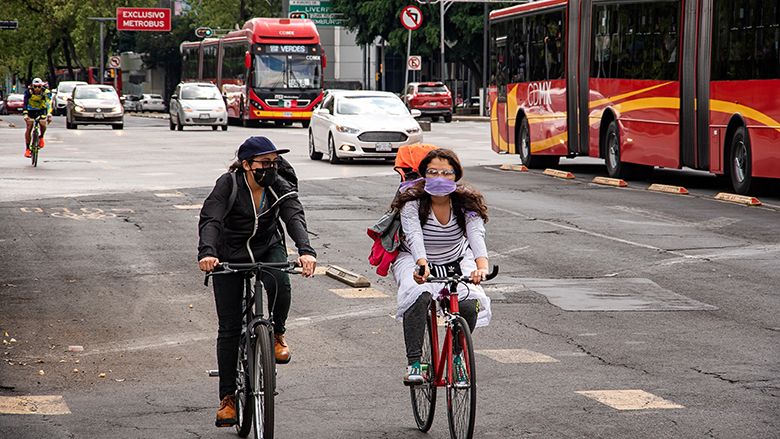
{"x":463,"y":25}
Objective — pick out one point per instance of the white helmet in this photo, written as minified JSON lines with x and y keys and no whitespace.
{"x":37,"y":81}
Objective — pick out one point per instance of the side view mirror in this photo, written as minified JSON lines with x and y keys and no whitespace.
{"x":322,"y":111}
{"x":415,"y":113}
{"x":247,"y":60}
{"x":174,"y":97}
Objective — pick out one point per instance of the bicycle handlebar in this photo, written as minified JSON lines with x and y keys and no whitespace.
{"x":243,"y":267}
{"x":456,"y":279}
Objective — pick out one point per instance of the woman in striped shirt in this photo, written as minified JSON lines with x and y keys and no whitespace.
{"x":444,"y":230}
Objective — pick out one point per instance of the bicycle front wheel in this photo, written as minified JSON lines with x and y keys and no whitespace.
{"x":34,"y":147}
{"x":462,"y":396}
{"x":263,"y":384}
{"x":244,"y":403}
{"x":424,"y":395}
{"x":34,"y":157}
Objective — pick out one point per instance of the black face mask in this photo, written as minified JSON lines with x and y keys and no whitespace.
{"x":265,"y":177}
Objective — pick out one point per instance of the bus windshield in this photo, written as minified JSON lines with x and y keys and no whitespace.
{"x":287,"y":71}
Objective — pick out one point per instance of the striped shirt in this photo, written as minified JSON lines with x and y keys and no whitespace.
{"x":441,"y":243}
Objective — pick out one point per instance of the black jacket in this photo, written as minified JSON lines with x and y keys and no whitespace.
{"x":230,"y":236}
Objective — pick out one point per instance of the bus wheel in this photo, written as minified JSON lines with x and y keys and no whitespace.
{"x":615,"y":168}
{"x":528,"y":159}
{"x":740,"y":162}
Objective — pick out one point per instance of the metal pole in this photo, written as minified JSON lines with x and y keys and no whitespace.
{"x":486,"y":29}
{"x":100,"y":81}
{"x":408,"y":54}
{"x":441,"y":43}
{"x":285,"y":8}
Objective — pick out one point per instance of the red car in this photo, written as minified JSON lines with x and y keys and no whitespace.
{"x":433,"y":99}
{"x":14,"y":103}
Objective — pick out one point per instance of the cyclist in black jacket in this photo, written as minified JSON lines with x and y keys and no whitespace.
{"x":249,"y":230}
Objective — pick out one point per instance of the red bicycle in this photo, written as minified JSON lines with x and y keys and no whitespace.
{"x":462,"y":393}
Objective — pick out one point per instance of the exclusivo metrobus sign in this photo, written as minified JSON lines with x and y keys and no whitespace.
{"x":143,"y":19}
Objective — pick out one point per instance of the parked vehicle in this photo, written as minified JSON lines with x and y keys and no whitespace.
{"x":132,"y":103}
{"x":433,"y":99}
{"x":150,"y":102}
{"x":197,"y":103}
{"x":361,"y":124}
{"x":61,"y":94}
{"x":94,"y":105}
{"x":14,"y":103}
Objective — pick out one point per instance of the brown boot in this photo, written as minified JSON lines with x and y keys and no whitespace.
{"x":281,"y":351}
{"x":226,"y":415}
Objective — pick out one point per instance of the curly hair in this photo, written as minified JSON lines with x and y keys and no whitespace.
{"x":466,"y":200}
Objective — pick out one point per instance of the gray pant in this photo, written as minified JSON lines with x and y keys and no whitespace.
{"x":416,"y":316}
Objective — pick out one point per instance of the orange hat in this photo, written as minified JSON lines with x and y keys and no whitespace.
{"x":410,"y":156}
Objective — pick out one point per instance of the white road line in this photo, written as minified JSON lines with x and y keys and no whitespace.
{"x":188,"y":206}
{"x":358,"y":293}
{"x":33,"y":405}
{"x":629,"y":399}
{"x":515,"y":356}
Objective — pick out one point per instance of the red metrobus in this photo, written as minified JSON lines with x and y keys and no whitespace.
{"x":670,"y":83}
{"x":271,"y":70}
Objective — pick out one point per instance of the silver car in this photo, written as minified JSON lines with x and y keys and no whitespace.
{"x":197,"y":103}
{"x":94,"y":105}
{"x":151,"y":102}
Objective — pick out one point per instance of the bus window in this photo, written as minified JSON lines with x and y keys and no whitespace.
{"x":745,"y":44}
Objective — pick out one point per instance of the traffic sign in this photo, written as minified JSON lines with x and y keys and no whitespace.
{"x":414,"y":62}
{"x":143,"y":19}
{"x":9,"y":25}
{"x":411,"y":17}
{"x":115,"y":62}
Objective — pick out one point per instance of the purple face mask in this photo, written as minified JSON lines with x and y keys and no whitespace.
{"x":405,"y":185}
{"x":439,"y":186}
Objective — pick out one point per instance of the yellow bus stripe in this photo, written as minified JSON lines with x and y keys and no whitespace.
{"x":625,"y":95}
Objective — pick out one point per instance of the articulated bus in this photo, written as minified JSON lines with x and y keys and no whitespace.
{"x":271,"y":70}
{"x":639,"y":83}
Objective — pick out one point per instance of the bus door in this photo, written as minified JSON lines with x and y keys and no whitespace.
{"x":498,"y":112}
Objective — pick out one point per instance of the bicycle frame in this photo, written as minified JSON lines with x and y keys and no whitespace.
{"x":440,"y":359}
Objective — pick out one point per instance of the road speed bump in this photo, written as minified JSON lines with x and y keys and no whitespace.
{"x":610,"y":181}
{"x":739,"y":199}
{"x":510,"y":167}
{"x":343,"y":275}
{"x":558,"y":173}
{"x":679,"y":190}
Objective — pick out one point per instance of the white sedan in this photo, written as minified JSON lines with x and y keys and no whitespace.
{"x":151,"y":102}
{"x":361,"y":124}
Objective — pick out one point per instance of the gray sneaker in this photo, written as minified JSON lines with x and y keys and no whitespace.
{"x":413,"y":374}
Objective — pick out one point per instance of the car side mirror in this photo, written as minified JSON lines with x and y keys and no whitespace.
{"x":322,"y":111}
{"x":174,"y":97}
{"x":415,"y":113}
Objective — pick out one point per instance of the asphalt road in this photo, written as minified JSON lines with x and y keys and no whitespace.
{"x":604,"y":293}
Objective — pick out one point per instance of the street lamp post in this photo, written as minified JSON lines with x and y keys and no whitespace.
{"x":102,"y":21}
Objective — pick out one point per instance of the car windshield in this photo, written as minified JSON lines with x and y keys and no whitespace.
{"x":201,"y":92}
{"x":15,"y":98}
{"x":155,"y":96}
{"x":104,"y":93}
{"x":376,"y":105}
{"x":66,"y":88}
{"x":287,"y":71}
{"x":429,"y":89}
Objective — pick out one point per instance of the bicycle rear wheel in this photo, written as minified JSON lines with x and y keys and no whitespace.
{"x":263,"y":384}
{"x":424,"y":395}
{"x":462,"y":401}
{"x":244,"y":404}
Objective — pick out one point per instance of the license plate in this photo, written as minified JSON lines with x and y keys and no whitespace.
{"x":204,"y":115}
{"x":433,"y":104}
{"x":287,"y":114}
{"x":384,"y":147}
{"x":99,"y":116}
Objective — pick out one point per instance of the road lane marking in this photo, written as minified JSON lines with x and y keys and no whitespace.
{"x":358,"y":293}
{"x":516,"y":356}
{"x":169,"y":194}
{"x":188,"y":206}
{"x":630,"y":399}
{"x":33,"y":405}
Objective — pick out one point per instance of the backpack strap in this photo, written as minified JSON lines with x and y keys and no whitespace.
{"x":233,"y":194}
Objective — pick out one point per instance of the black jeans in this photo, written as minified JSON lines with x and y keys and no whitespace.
{"x":229,"y":297}
{"x":416,"y":316}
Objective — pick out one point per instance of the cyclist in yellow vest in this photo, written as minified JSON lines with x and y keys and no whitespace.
{"x":37,"y":102}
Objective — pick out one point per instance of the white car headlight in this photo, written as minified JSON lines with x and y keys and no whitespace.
{"x":413,"y":130}
{"x":78,"y":108}
{"x":187,"y":108}
{"x":117,"y":109}
{"x":345,"y":129}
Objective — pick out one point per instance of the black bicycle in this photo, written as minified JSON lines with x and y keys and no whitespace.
{"x":35,"y":139}
{"x":256,"y":366}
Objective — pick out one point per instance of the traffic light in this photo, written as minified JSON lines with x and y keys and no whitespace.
{"x":204,"y":32}
{"x":298,"y":15}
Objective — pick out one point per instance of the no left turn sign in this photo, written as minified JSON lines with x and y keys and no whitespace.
{"x":411,"y":17}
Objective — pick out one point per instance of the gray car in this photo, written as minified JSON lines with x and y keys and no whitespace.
{"x":94,"y":105}
{"x":197,"y":103}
